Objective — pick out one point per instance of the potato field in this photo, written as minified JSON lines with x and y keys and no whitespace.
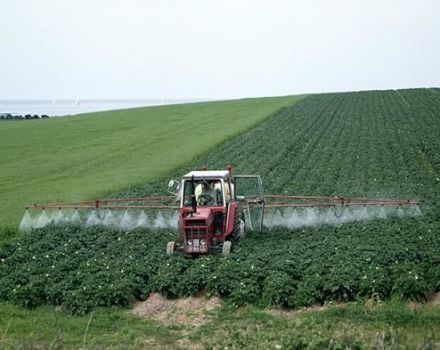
{"x":376,"y":144}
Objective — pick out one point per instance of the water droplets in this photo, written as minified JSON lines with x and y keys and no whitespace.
{"x":110,"y":219}
{"x":58,"y":217}
{"x":291,"y":218}
{"x":26,"y":222}
{"x":75,"y":218}
{"x":142,"y":220}
{"x":126,"y":220}
{"x":93,"y":219}
{"x":382,"y":214}
{"x":302,"y":217}
{"x":42,"y":220}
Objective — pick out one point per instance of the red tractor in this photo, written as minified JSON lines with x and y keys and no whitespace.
{"x":213,"y":209}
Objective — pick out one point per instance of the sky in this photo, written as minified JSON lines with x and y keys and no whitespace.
{"x":201,"y":49}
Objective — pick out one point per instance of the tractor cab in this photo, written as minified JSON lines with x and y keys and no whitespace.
{"x":212,"y":212}
{"x":210,"y":188}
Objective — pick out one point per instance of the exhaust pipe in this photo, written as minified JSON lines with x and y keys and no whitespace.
{"x":193,"y":196}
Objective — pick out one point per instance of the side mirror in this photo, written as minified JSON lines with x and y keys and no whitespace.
{"x":173,"y":187}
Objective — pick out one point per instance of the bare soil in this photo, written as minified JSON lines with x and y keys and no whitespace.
{"x":188,"y":313}
{"x":192,"y":311}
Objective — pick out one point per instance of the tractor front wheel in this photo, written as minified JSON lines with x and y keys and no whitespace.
{"x":227,"y":246}
{"x":171,"y":247}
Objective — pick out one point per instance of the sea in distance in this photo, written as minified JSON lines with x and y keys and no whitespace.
{"x":60,"y":108}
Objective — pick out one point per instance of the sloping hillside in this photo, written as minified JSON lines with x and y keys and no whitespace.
{"x":82,"y":157}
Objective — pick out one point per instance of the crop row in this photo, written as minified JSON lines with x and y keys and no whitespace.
{"x":83,"y":268}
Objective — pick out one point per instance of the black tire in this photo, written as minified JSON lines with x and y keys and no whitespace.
{"x":239,"y":231}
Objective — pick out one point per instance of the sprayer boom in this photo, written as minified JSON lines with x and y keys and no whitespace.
{"x":150,"y":202}
{"x":282,"y":201}
{"x":210,"y":209}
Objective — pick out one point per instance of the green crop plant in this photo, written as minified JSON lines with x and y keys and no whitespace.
{"x":82,"y":268}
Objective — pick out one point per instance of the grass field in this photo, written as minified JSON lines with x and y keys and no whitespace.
{"x":375,"y":276}
{"x":391,"y":325}
{"x":81,"y":157}
{"x":47,"y":328}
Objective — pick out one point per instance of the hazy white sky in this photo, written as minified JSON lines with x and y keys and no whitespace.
{"x":215,"y":49}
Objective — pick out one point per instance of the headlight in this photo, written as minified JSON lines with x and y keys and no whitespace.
{"x":190,"y":242}
{"x":202,"y":242}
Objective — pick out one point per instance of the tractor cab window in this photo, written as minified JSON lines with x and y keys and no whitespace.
{"x":207,"y":192}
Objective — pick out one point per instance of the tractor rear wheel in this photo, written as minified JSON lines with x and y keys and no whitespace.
{"x":239,"y":226}
{"x":227,"y":246}
{"x":171,"y":247}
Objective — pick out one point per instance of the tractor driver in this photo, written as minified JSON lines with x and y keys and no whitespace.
{"x":209,"y":193}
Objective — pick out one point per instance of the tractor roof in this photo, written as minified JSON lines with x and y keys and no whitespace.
{"x":208,"y":174}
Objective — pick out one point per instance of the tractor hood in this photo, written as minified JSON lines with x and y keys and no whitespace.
{"x":202,"y":214}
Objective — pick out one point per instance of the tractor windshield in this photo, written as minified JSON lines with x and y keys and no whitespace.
{"x":207,"y":192}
